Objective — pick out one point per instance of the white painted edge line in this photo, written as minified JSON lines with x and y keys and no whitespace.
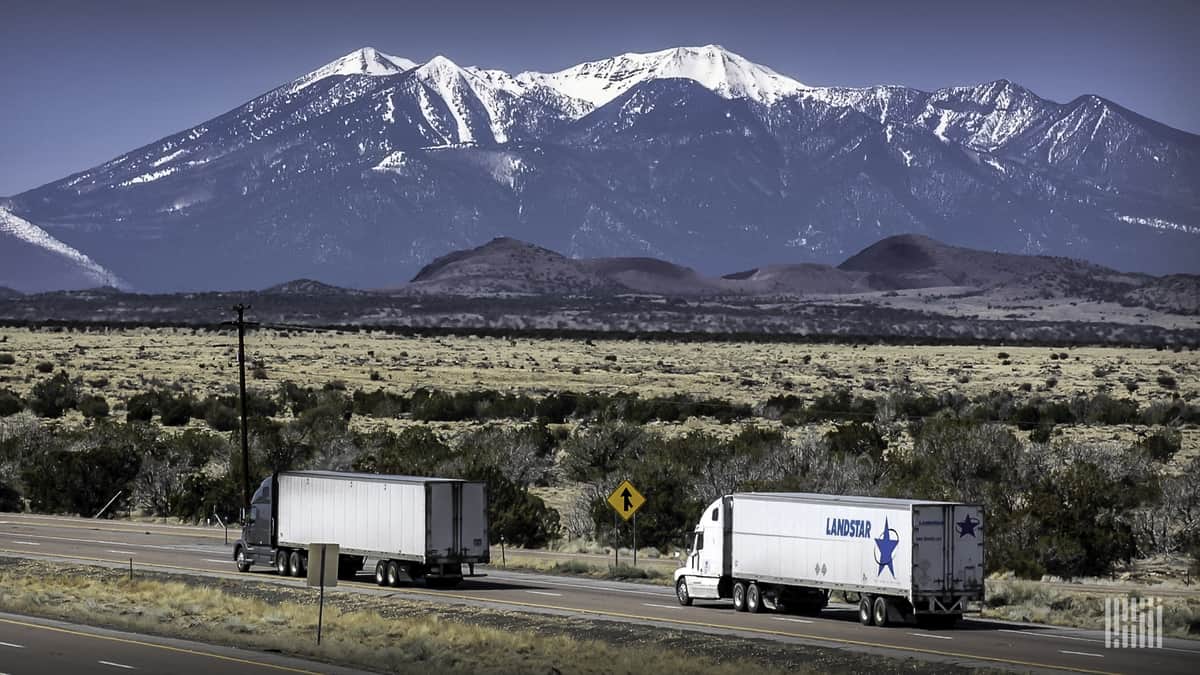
{"x":1064,"y":651}
{"x":556,"y":595}
{"x":931,"y":635}
{"x":117,"y":665}
{"x":10,"y":644}
{"x":26,"y":543}
{"x":651,"y":604}
{"x":788,"y":618}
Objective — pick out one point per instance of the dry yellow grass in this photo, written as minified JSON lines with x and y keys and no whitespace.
{"x":357,"y":638}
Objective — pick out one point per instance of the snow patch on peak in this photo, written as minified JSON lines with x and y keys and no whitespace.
{"x":714,"y":67}
{"x":365,"y":61}
{"x":15,"y":226}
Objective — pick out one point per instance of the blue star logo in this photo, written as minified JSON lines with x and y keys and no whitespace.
{"x":887,"y":547}
{"x":967,"y":526}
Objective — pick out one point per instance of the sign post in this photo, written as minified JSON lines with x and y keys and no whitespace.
{"x":322,"y":572}
{"x":626,"y":501}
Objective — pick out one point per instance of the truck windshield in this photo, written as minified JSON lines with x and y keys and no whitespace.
{"x":699,"y":541}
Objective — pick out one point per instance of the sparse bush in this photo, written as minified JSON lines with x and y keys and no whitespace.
{"x":1166,"y":381}
{"x":6,"y":359}
{"x":176,"y":410}
{"x":44,"y":367}
{"x":1161,"y":445}
{"x":141,"y":407}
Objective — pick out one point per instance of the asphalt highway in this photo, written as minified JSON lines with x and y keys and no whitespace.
{"x":1023,"y":647}
{"x":34,"y":645}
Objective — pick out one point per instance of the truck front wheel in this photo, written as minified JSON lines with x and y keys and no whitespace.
{"x":739,"y":596}
{"x":243,"y":563}
{"x":681,"y":592}
{"x":865,"y":610}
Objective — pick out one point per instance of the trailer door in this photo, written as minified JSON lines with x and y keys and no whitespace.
{"x":474,"y":535}
{"x":929,"y":548}
{"x":441,"y":519}
{"x":966,"y":536}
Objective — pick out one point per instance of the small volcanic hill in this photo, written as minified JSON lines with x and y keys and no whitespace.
{"x":507,"y":266}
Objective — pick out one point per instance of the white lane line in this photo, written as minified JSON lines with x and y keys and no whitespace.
{"x":122,"y":552}
{"x":175,"y":548}
{"x":586,"y":587}
{"x":26,"y":543}
{"x":793,"y":620}
{"x":556,"y":595}
{"x":1052,"y":635}
{"x":931,"y":635}
{"x":225,"y":560}
{"x":9,"y":644}
{"x":651,"y":604}
{"x":118,"y":665}
{"x":1064,"y":651}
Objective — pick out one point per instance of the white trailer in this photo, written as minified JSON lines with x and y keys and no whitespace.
{"x":905,"y":559}
{"x":416,"y":527}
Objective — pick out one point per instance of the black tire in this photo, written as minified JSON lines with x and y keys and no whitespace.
{"x":294,"y":566}
{"x":243,"y":563}
{"x":281,"y":562}
{"x":393,"y":573}
{"x":381,"y":573}
{"x":681,"y":592}
{"x":865,"y":611}
{"x":879,"y":612}
{"x":754,"y":599}
{"x":739,"y":596}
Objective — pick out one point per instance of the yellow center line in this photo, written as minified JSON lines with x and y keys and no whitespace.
{"x":154,"y":645}
{"x":638,"y":617}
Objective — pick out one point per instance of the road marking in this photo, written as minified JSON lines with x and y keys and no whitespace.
{"x":152,"y":645}
{"x":793,"y":620}
{"x":118,"y":665}
{"x":557,"y":595}
{"x":226,"y":560}
{"x":1054,"y":636}
{"x":122,"y":552}
{"x":931,"y":635}
{"x":651,"y":604}
{"x":9,"y":644}
{"x":174,"y":549}
{"x":26,"y":543}
{"x":49,"y":521}
{"x":1099,"y":656}
{"x":586,"y":587}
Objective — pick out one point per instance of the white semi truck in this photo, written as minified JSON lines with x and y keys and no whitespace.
{"x":414,"y":527}
{"x":904,"y":559}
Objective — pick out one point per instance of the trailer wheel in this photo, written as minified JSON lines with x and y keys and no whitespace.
{"x":294,"y":564}
{"x":681,"y":592}
{"x":754,"y":599}
{"x":281,"y":562}
{"x":865,"y":611}
{"x":243,"y":563}
{"x":381,"y":573}
{"x":880,"y":613}
{"x":393,"y":573}
{"x":739,"y":596}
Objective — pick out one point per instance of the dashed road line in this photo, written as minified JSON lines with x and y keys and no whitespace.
{"x":792,"y":619}
{"x":1064,"y":651}
{"x":117,"y":665}
{"x":651,"y":604}
{"x":10,"y":644}
{"x":931,"y":635}
{"x":556,"y":595}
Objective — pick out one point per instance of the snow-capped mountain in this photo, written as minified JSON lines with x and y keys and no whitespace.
{"x":365,"y":169}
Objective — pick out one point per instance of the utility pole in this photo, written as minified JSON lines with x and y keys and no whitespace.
{"x":241,"y":326}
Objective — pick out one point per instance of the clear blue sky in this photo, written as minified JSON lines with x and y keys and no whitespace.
{"x":85,"y":80}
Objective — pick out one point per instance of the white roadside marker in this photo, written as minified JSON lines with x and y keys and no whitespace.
{"x":118,"y":665}
{"x":1099,"y":656}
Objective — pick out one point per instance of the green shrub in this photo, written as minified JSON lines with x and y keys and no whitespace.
{"x":54,"y":396}
{"x":141,"y":408}
{"x":176,"y":410}
{"x":44,"y":367}
{"x":10,"y":403}
{"x":93,"y":407}
{"x":1161,"y":445}
{"x":7,"y":359}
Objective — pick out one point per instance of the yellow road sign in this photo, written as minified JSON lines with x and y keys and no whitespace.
{"x":626,"y":500}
